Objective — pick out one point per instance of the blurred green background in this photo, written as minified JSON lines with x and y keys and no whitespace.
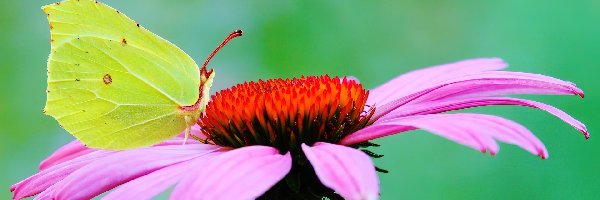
{"x":374,"y":41}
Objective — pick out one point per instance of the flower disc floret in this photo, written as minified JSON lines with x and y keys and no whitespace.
{"x":284,"y":113}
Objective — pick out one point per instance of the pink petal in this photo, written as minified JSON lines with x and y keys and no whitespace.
{"x":53,"y":174}
{"x":63,"y":162}
{"x":148,"y":186}
{"x":374,"y":131}
{"x":490,"y":83}
{"x":76,"y":148}
{"x":67,"y":152}
{"x":421,"y":79}
{"x":525,"y":83}
{"x":244,"y":173}
{"x":432,"y":107}
{"x":349,"y":172}
{"x":477,"y":131}
{"x":123,"y":166}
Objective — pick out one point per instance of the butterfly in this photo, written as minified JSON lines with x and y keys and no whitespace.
{"x":115,"y":85}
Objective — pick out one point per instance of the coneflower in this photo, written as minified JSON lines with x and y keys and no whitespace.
{"x":304,"y":138}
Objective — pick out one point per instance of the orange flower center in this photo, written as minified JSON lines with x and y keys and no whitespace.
{"x":286,"y":113}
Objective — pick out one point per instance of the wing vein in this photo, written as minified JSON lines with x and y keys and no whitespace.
{"x":94,"y":61}
{"x":136,"y":75}
{"x":131,"y":126}
{"x":64,"y":11}
{"x":131,"y":45}
{"x":73,"y":80}
{"x":144,"y":122}
{"x":85,"y":89}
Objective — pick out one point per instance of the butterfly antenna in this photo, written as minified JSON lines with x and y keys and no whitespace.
{"x":232,"y":35}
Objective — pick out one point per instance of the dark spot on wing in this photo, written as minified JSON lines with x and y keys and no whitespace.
{"x":138,"y":25}
{"x":77,"y":79}
{"x":118,"y":11}
{"x":77,"y":64}
{"x":107,"y":79}
{"x":87,"y":52}
{"x":123,"y":41}
{"x":57,"y":3}
{"x":44,"y":111}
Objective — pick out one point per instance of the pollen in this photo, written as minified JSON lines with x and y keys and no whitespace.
{"x":284,"y":113}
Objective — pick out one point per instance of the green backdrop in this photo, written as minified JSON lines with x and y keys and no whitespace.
{"x":374,"y":41}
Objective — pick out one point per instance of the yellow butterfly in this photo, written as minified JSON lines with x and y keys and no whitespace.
{"x":115,"y":85}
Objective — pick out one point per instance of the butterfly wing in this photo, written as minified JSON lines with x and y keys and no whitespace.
{"x":112,"y":83}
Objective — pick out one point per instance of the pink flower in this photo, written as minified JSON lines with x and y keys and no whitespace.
{"x":305,"y":136}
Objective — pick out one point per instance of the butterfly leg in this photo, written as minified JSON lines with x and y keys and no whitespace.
{"x":187,"y":135}
{"x":188,"y":121}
